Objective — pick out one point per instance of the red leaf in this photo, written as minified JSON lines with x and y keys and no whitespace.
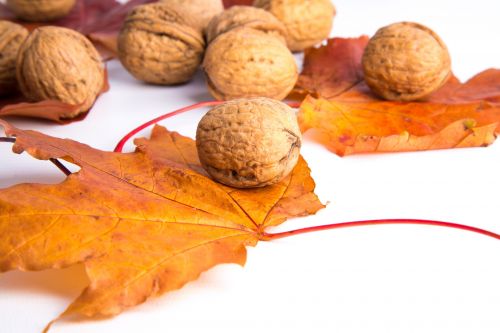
{"x":349,"y":119}
{"x":5,"y":13}
{"x":332,"y":69}
{"x":230,"y":3}
{"x":90,"y":17}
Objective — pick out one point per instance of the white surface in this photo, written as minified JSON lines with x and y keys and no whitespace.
{"x":375,"y":279}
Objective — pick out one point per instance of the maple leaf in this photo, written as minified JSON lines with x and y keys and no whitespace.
{"x":348,"y":118}
{"x":99,"y":20}
{"x":142,"y":223}
{"x":332,"y":69}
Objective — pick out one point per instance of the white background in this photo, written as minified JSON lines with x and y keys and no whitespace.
{"x":373,"y":279}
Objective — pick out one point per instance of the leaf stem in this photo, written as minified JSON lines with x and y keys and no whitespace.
{"x":4,"y":139}
{"x":60,"y":166}
{"x":271,"y":236}
{"x":124,"y":140}
{"x":56,"y":162}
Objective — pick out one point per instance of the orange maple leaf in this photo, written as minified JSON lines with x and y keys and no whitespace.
{"x":142,"y":223}
{"x":342,"y":113}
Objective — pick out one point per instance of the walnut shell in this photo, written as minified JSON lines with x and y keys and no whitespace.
{"x":245,"y":62}
{"x":406,"y":61}
{"x":201,"y":10}
{"x":11,"y":37}
{"x":159,"y":45}
{"x":307,"y":22}
{"x":40,"y":10}
{"x":249,"y":142}
{"x":238,"y":16}
{"x":60,"y":64}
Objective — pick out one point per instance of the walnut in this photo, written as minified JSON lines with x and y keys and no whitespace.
{"x":307,"y":22}
{"x":11,"y":37}
{"x":249,"y":142}
{"x":238,"y":16}
{"x":406,"y":61}
{"x":202,"y":10}
{"x":158,"y":44}
{"x":56,"y":63}
{"x":40,"y":10}
{"x":245,"y":62}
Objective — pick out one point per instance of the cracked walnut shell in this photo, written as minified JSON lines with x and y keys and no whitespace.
{"x":158,"y":44}
{"x":40,"y":10}
{"x":252,"y":17}
{"x":245,"y":62}
{"x":406,"y":61}
{"x":307,"y":22}
{"x":11,"y":37}
{"x":202,"y":11}
{"x":249,"y":142}
{"x":60,"y":64}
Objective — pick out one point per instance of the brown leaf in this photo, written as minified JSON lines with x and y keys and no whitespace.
{"x":349,"y":119}
{"x":52,"y":110}
{"x":106,"y":43}
{"x":332,"y":69}
{"x":230,"y":3}
{"x":93,"y":18}
{"x":142,"y":223}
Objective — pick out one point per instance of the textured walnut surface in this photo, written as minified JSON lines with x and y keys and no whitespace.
{"x":11,"y":37}
{"x":158,"y":44}
{"x":308,"y":22}
{"x":406,"y":61}
{"x":202,"y":11}
{"x":60,"y":64}
{"x":245,"y":62}
{"x":252,"y":17}
{"x":249,"y":142}
{"x":40,"y":10}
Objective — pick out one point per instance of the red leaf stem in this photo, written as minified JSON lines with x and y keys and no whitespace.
{"x":123,"y":141}
{"x":271,"y":236}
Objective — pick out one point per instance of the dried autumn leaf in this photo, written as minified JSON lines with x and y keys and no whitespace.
{"x":5,"y":13}
{"x":346,"y":117}
{"x":52,"y":110}
{"x":332,"y":69}
{"x":352,"y":128}
{"x":230,"y":3}
{"x":99,"y":20}
{"x":142,"y":223}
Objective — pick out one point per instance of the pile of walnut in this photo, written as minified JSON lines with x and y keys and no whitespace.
{"x":245,"y":50}
{"x":51,"y":63}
